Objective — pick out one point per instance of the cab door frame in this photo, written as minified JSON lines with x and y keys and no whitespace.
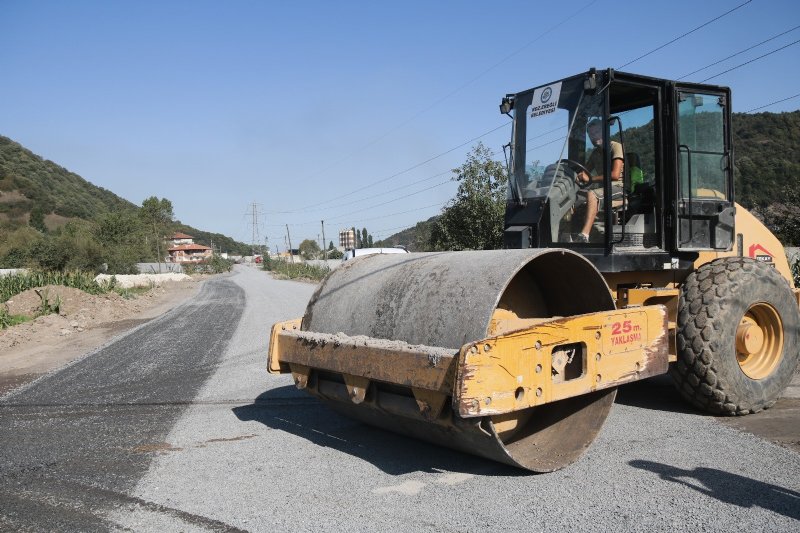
{"x":701,"y":222}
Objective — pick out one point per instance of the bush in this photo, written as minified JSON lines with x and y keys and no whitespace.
{"x":286,"y":270}
{"x":333,"y":253}
{"x":216,"y":265}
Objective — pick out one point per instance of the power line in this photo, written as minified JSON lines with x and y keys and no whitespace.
{"x":377,"y":232}
{"x":458,"y":89}
{"x":304,"y":208}
{"x":396,"y":189}
{"x":387,"y":178}
{"x":752,"y":60}
{"x":440,"y":204}
{"x":772,"y":103}
{"x":678,"y":38}
{"x":740,"y":52}
{"x":373,"y":206}
{"x":396,"y":174}
{"x":499,"y":127}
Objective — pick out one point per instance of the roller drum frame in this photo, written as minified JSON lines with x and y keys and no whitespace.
{"x":417,"y":318}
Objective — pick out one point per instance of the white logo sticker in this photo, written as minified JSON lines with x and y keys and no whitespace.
{"x":545,"y":100}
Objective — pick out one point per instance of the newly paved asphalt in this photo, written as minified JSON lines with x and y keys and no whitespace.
{"x":177,"y":427}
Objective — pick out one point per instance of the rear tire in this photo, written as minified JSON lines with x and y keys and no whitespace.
{"x":719,"y":368}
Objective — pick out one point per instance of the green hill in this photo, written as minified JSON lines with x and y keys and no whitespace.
{"x":767,"y":156}
{"x":45,"y":207}
{"x":415,"y":239}
{"x":29,"y":183}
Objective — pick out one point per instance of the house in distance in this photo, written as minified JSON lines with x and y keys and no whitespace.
{"x":183,"y":249}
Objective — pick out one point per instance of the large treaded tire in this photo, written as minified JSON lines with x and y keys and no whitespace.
{"x":713,"y":301}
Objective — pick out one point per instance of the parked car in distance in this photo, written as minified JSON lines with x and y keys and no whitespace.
{"x":358,"y":252}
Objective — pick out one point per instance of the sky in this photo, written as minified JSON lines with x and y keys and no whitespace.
{"x":351,"y":112}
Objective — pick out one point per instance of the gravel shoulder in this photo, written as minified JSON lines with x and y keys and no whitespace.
{"x":85,"y":323}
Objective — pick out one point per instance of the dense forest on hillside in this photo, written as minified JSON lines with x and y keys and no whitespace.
{"x":30,"y":183}
{"x":415,"y":238}
{"x":53,"y":218}
{"x":766,"y":155}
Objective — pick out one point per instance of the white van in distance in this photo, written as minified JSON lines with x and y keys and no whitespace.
{"x":358,"y":252}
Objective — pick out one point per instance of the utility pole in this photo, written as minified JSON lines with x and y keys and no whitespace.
{"x":289,"y":236}
{"x":324,"y":246}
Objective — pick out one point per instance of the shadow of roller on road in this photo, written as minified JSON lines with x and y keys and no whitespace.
{"x":729,"y":488}
{"x":289,"y":410}
{"x":657,"y":394}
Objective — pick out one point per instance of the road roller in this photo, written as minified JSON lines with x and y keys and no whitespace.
{"x":625,"y":257}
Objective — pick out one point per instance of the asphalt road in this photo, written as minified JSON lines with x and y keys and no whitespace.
{"x":178,"y":427}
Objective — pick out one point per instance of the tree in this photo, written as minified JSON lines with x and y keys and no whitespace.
{"x":120,"y":234}
{"x":364,"y":238}
{"x":783,"y":217}
{"x":473,"y":220}
{"x":36,"y":219}
{"x":158,"y":215}
{"x":334,"y":253}
{"x":309,"y":249}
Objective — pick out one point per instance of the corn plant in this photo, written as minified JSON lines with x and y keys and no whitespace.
{"x":46,"y":307}
{"x":14,"y":284}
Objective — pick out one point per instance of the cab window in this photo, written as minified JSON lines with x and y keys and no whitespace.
{"x":701,"y":146}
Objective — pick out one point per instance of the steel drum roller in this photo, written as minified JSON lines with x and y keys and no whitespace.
{"x":447,"y":300}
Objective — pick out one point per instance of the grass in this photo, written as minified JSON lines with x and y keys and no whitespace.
{"x":133,"y":292}
{"x":287,"y":270}
{"x":7,"y":320}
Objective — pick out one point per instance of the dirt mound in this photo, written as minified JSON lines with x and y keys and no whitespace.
{"x":28,"y":303}
{"x":126,"y":281}
{"x":78,"y":311}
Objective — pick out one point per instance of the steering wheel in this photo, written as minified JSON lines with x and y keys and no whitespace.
{"x":580,"y":167}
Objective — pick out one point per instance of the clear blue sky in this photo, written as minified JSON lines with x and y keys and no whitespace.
{"x":216,"y":105}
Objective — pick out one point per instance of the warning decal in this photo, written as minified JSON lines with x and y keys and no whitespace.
{"x":625,"y":332}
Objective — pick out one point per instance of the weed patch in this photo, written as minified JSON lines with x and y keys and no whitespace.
{"x":7,"y":320}
{"x":285,"y":270}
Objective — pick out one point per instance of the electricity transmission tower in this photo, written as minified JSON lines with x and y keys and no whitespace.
{"x":253,"y":214}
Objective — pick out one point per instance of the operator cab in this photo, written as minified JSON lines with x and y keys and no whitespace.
{"x":674,"y":195}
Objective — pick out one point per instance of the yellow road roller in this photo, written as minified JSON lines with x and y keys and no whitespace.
{"x":625,"y":256}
